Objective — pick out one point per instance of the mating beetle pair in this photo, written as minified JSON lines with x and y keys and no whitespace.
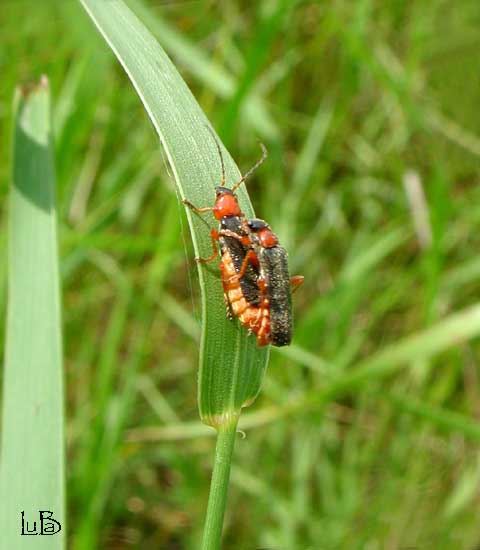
{"x":253,"y":267}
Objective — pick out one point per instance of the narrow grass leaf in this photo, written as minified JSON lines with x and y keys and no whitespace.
{"x":453,"y":330}
{"x":443,"y":419}
{"x":32,"y":466}
{"x":231,"y":366}
{"x":210,"y":73}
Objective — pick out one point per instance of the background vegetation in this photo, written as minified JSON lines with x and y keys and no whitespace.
{"x":370,"y":113}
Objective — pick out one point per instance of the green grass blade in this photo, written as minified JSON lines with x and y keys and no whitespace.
{"x":270,"y":25}
{"x":442,"y":419}
{"x":231,"y":366}
{"x":455,"y":329}
{"x":211,"y":74}
{"x":32,"y":467}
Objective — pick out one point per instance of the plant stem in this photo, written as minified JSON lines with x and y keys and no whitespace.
{"x":219,"y":486}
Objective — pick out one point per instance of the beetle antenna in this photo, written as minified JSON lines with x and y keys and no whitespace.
{"x":219,"y":153}
{"x":253,"y":168}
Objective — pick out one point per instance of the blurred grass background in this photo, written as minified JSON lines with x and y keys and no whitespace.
{"x":370,"y":113}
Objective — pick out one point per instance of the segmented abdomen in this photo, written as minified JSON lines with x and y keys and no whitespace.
{"x":256,"y":318}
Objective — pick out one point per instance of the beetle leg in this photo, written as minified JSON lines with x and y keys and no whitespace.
{"x":296,"y":282}
{"x":262,"y":285}
{"x":197,"y":210}
{"x":258,"y":318}
{"x":214,"y":236}
{"x":230,"y":314}
{"x":250,"y":257}
{"x":242,"y":238}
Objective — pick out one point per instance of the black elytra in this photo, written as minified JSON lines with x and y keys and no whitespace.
{"x":274,"y":269}
{"x":237,"y":251}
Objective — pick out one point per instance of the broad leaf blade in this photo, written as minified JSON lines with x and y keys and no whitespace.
{"x":32,"y":466}
{"x":231,"y":365}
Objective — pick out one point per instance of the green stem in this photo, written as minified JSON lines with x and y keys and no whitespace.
{"x":217,"y":499}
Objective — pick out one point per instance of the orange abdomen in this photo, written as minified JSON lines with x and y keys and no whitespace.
{"x":255,"y":318}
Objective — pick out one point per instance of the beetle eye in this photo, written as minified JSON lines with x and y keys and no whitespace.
{"x":256,"y":224}
{"x":223,"y":191}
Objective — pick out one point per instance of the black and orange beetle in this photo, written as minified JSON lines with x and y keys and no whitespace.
{"x":275,"y":280}
{"x":253,"y":267}
{"x":242,"y":294}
